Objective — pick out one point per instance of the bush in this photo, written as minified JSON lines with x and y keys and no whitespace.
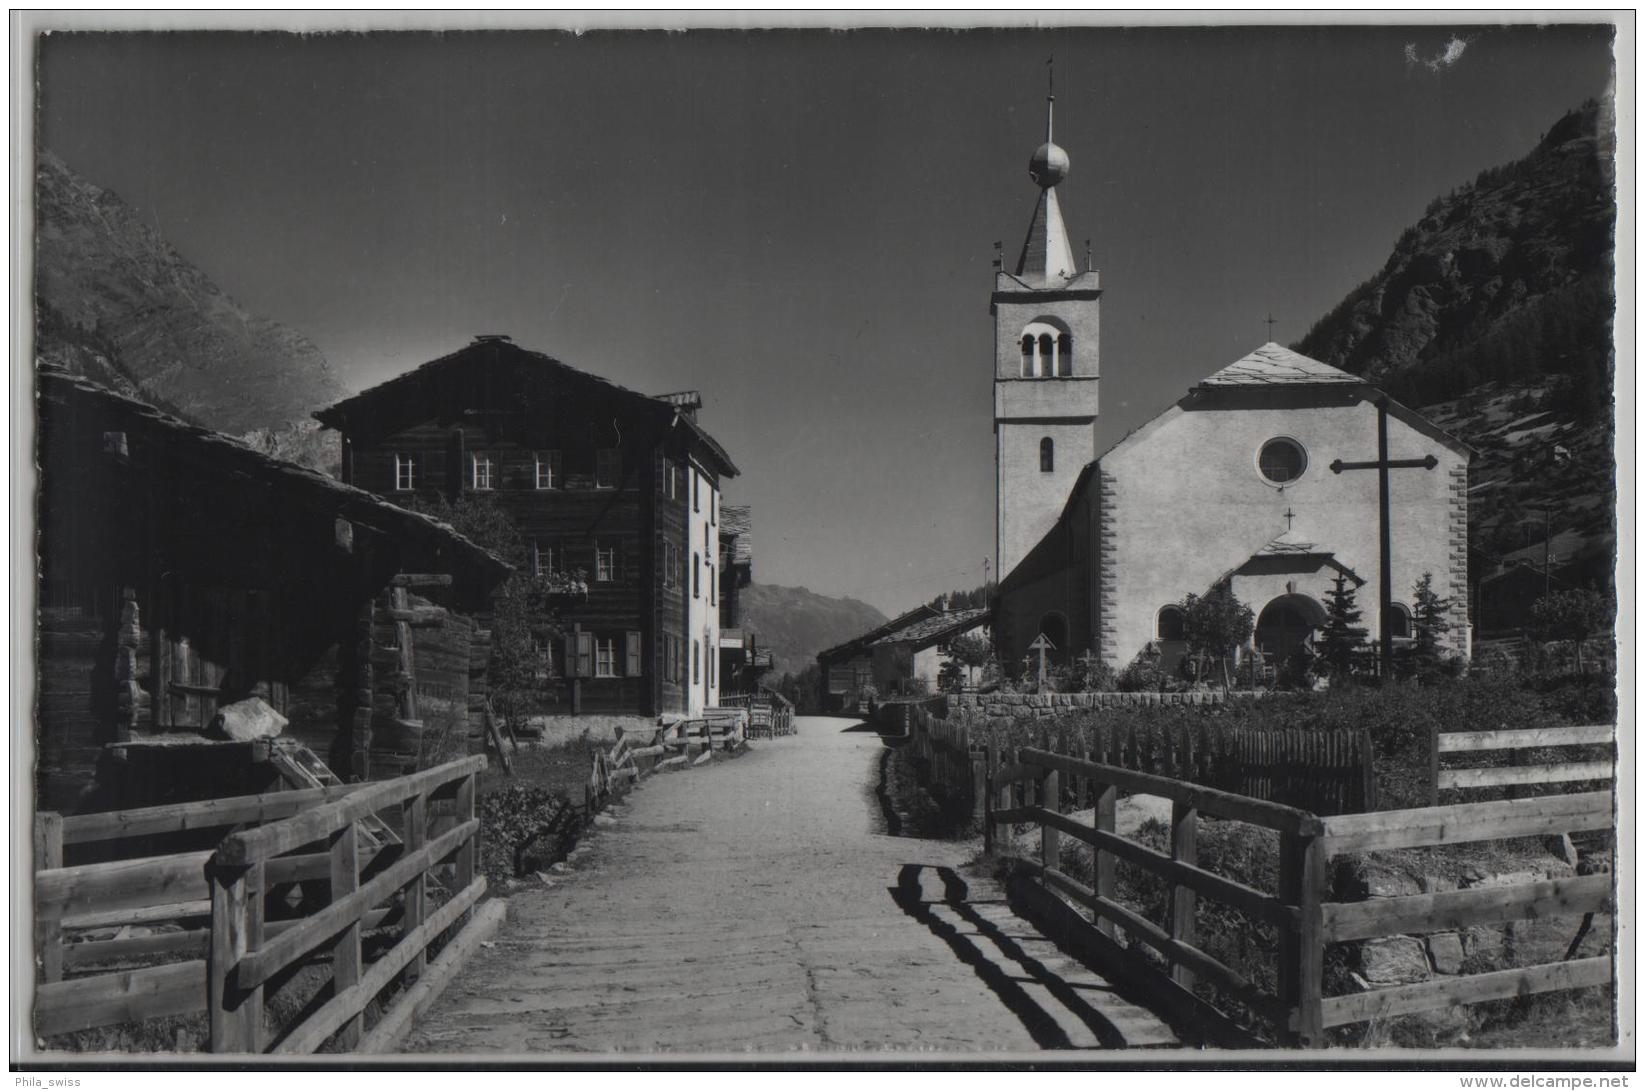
{"x":1143,"y":674}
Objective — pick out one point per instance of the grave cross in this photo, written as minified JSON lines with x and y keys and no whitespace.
{"x":1382,"y":464}
{"x":1042,"y":645}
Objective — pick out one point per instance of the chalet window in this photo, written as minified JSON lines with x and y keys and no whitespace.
{"x":713,"y":590}
{"x":608,"y":467}
{"x":605,"y":657}
{"x":696,"y":575}
{"x":482,"y":470}
{"x":1048,"y":455}
{"x":405,"y":472}
{"x":696,"y":660}
{"x":549,"y":474}
{"x":605,"y":562}
{"x":696,"y":491}
{"x":546,"y":558}
{"x":714,"y":510}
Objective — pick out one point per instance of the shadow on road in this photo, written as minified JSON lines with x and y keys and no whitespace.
{"x":999,"y":960}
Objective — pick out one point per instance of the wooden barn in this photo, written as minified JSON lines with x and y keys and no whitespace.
{"x":181,"y":571}
{"x":616,"y":495}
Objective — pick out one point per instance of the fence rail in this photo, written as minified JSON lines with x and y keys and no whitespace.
{"x":1470,"y":770}
{"x":1030,"y":786}
{"x":224,"y":952}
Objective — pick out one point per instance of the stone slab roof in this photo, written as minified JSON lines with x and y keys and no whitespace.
{"x":1276,"y":365}
{"x":933,"y":630}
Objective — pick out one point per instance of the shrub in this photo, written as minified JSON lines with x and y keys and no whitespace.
{"x":1144,"y":673}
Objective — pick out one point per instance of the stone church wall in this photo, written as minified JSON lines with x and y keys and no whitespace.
{"x":1188,"y":505}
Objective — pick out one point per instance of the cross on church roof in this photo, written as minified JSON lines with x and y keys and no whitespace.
{"x":1270,"y":320}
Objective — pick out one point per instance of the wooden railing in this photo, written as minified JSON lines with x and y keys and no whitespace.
{"x":1459,"y":824}
{"x":1028,"y":786}
{"x":1467,"y":770}
{"x":770,"y":713}
{"x":246,"y":955}
{"x":157,"y":974}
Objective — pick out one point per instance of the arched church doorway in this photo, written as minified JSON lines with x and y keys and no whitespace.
{"x":1286,"y":623}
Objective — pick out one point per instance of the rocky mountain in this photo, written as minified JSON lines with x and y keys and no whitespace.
{"x":117,"y":303}
{"x":1493,"y":313}
{"x":794,"y":623}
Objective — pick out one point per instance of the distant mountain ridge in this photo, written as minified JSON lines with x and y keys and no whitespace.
{"x":795,"y":623}
{"x":117,"y":303}
{"x":1494,"y":313}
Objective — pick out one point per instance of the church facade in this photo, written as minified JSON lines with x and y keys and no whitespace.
{"x":1264,"y":479}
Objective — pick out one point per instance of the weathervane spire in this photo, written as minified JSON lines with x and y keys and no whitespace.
{"x":1050,"y":93}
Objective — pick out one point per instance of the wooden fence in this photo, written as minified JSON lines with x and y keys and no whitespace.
{"x":770,"y":713}
{"x":1469,"y":769}
{"x":1325,"y":772}
{"x":227,"y":950}
{"x":1027,"y":786}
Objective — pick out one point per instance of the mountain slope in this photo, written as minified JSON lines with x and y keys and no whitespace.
{"x":794,"y":623}
{"x":1494,"y":314}
{"x":116,"y":302}
{"x":1507,"y":279}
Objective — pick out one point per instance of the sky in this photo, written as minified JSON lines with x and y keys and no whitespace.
{"x":801,"y":224}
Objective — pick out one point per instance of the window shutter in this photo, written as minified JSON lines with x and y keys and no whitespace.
{"x":585,"y":655}
{"x":631,"y":649}
{"x":571,"y":656}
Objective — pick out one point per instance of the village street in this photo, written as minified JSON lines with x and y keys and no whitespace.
{"x":760,"y":904}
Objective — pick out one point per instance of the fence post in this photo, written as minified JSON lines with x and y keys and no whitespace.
{"x":1051,"y":839}
{"x":1185,"y":849}
{"x":345,"y":952}
{"x":1433,"y":764}
{"x":48,"y":927}
{"x":235,"y":1014}
{"x":465,"y":852}
{"x":1106,"y":805}
{"x":991,"y":764}
{"x":416,"y":897}
{"x":1302,"y":952}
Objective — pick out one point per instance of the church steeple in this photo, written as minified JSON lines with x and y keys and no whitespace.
{"x":1046,"y":326}
{"x":1046,"y":255}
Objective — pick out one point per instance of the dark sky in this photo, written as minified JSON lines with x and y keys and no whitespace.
{"x":800,"y":224}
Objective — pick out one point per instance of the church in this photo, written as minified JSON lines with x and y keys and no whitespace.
{"x":1272,"y":476}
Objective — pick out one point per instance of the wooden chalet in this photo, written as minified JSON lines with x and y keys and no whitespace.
{"x":615,"y":494}
{"x":181,"y":570}
{"x":742,"y":663}
{"x":845,"y":670}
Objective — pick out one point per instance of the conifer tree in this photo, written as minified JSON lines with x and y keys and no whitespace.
{"x":1429,"y":624}
{"x":1342,"y":635}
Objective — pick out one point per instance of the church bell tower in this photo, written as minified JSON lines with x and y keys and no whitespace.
{"x":1045,"y":369}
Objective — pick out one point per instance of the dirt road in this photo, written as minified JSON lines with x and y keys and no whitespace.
{"x":760,"y":904}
